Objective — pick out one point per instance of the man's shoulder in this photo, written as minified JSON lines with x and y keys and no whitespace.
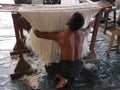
{"x":84,"y":30}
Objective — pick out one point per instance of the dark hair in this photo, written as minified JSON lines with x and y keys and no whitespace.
{"x":76,"y":21}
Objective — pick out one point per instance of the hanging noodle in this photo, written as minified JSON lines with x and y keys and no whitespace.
{"x":51,"y":18}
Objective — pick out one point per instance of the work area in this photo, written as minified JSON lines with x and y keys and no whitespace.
{"x":22,"y":68}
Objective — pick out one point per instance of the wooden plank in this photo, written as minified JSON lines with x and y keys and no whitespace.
{"x":9,"y":7}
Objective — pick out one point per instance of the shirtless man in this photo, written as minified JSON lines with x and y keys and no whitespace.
{"x":71,"y":44}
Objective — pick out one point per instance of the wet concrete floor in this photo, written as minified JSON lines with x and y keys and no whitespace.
{"x":108,"y":67}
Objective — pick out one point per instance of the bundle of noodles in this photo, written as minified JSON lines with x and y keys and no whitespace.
{"x":49,"y":18}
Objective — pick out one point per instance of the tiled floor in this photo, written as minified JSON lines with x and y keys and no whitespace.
{"x":109,"y":72}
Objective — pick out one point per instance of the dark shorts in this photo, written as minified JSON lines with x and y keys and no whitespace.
{"x":65,"y":68}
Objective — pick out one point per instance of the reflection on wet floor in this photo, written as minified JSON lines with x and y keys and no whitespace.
{"x":107,"y":67}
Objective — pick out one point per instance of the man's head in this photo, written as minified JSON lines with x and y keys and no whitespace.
{"x":76,"y":21}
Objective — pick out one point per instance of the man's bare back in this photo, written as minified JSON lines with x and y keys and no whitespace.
{"x":71,"y":44}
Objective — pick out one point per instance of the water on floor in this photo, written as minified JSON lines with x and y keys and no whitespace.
{"x":107,"y":67}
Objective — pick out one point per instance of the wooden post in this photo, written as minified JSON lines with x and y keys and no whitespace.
{"x":19,"y":43}
{"x":22,"y":67}
{"x":95,"y":29}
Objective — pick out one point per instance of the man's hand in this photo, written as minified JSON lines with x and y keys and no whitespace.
{"x":36,"y":32}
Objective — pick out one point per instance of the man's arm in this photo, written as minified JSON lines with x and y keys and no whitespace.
{"x":46,"y":35}
{"x":85,"y":30}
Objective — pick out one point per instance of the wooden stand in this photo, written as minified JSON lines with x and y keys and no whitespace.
{"x":91,"y":58}
{"x":95,"y":29}
{"x":22,"y":67}
{"x":19,"y":43}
